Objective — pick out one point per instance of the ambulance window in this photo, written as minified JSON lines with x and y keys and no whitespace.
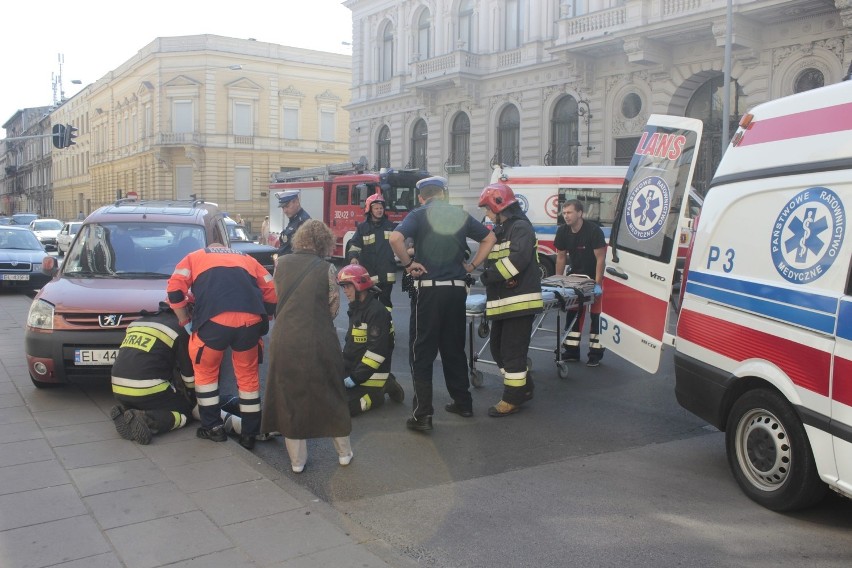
{"x":342,"y":195}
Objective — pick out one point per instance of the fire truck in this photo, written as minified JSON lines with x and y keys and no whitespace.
{"x":335,"y":194}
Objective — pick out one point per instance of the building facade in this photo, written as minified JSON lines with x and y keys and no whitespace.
{"x":203,"y":116}
{"x":458,"y":86}
{"x":26,"y":172}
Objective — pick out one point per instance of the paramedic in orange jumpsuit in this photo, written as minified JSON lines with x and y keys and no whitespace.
{"x":234,"y":299}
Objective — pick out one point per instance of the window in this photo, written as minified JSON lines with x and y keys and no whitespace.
{"x":183,"y":182}
{"x":291,"y":123}
{"x":242,"y":183}
{"x":149,"y":120}
{"x":564,"y":134}
{"x":631,"y":105}
{"x":182,"y":120}
{"x":624,"y":150}
{"x":460,"y":144}
{"x":342,"y":195}
{"x":386,"y":54}
{"x":419,"y":138}
{"x":327,"y":130}
{"x":512,"y":24}
{"x":508,"y":137}
{"x":424,"y":44}
{"x":465,"y":36}
{"x":808,"y":79}
{"x":242,"y":119}
{"x":383,"y":148}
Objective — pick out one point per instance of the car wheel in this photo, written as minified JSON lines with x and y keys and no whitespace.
{"x":769,"y":453}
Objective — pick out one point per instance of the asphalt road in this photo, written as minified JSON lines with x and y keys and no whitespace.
{"x":600,"y":469}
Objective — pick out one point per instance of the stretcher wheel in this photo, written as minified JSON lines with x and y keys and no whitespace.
{"x":562,"y":369}
{"x":483,"y":330}
{"x":476,"y":378}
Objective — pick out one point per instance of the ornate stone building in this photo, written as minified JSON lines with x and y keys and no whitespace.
{"x":202,"y":115}
{"x":26,"y":165}
{"x":460,"y":85}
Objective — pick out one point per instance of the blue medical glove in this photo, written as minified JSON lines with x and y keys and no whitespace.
{"x":349,"y":382}
{"x":598,"y":290}
{"x":187,"y":326}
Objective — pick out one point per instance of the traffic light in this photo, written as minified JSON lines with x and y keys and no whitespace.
{"x":70,"y":133}
{"x":59,"y":133}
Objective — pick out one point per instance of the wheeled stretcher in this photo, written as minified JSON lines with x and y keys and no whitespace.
{"x":561,"y":294}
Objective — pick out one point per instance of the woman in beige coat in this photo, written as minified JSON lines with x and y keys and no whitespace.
{"x":305,"y":396}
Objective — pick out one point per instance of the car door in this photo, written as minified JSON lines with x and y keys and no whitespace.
{"x":642,"y":251}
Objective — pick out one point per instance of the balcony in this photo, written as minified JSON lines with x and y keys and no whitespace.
{"x":178,"y":138}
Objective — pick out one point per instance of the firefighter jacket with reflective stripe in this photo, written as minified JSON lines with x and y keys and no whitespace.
{"x":222,"y":280}
{"x":369,"y":342}
{"x":511,"y":276}
{"x":153,"y":347}
{"x":371,"y":246}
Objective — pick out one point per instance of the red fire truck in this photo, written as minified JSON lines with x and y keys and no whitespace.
{"x":336,"y":194}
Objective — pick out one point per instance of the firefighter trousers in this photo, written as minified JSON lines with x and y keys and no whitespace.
{"x":166,"y":410}
{"x":362,"y":399}
{"x":510,"y":344}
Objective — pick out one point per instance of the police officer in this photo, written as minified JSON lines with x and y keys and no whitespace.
{"x":439,"y":231}
{"x":143,"y":377}
{"x":235,"y":297}
{"x":290,"y":202}
{"x":370,"y":247}
{"x":513,"y":294}
{"x":369,"y":344}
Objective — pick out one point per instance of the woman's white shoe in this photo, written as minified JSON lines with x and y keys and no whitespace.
{"x":344,"y":460}
{"x":298,"y":468}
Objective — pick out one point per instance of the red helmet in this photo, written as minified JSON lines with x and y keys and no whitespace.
{"x":356,"y":275}
{"x":497,"y":196}
{"x":375,"y":198}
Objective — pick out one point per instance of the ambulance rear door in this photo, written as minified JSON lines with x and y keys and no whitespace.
{"x":642,"y":253}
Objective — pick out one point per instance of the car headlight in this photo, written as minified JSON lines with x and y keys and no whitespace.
{"x":40,"y":315}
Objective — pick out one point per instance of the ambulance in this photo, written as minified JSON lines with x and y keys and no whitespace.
{"x":763,"y":339}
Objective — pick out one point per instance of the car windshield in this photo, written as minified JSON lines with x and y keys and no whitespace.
{"x":237,"y":233}
{"x":47,"y":225}
{"x":23,"y":218}
{"x":131,"y":249}
{"x":18,"y":240}
{"x":73,"y":228}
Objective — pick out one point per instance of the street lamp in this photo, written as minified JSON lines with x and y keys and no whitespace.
{"x":586,"y":114}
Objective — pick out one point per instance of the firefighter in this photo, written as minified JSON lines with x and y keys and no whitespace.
{"x":370,"y":247}
{"x":150,"y":401}
{"x":291,"y":204}
{"x":513,"y":294}
{"x":235,"y":298}
{"x":369,"y":344}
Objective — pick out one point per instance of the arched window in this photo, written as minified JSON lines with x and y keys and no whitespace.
{"x":419,"y":138}
{"x":564,"y":134}
{"x":424,"y":35}
{"x":465,"y":35}
{"x":808,"y":79}
{"x":386,"y":53}
{"x":508,"y":137}
{"x":459,"y":160}
{"x":383,"y":149}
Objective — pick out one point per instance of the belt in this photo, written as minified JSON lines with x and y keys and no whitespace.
{"x":427,"y":283}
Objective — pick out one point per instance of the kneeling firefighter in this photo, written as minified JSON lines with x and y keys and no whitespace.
{"x":369,"y":344}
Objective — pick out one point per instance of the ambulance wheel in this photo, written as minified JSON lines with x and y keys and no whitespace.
{"x":483,"y":330}
{"x":769,"y":453}
{"x":476,"y":378}
{"x":546,"y":267}
{"x":562,"y":369}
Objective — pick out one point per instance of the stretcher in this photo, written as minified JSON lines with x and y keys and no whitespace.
{"x":561,"y":294}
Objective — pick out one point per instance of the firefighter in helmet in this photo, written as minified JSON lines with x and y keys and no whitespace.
{"x":369,"y":344}
{"x":513,"y":294}
{"x":370,"y":247}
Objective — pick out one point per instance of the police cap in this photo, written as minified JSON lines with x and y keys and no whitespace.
{"x":285,"y":197}
{"x":434,"y":180}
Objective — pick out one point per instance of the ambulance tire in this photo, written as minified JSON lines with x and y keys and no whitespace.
{"x":769,"y":453}
{"x":546,"y":267}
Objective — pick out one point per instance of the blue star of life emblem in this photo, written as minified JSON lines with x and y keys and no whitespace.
{"x":648,"y":207}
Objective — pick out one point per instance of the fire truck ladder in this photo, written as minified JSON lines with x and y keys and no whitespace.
{"x":320,"y":172}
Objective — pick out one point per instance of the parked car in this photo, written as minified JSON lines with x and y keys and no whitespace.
{"x":21,"y":257}
{"x":241,"y":241}
{"x":23,"y":218}
{"x":5,"y":220}
{"x":117,"y":266}
{"x":46,"y":231}
{"x":66,"y":236}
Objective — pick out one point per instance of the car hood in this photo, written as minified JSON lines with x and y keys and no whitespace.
{"x":32,"y":256}
{"x":103,"y":294}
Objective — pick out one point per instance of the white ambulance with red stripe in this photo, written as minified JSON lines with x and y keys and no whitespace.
{"x":763,"y":341}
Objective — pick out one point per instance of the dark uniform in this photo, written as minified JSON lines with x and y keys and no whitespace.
{"x":285,"y":239}
{"x":154,"y":348}
{"x":367,"y":353}
{"x":440,"y":231}
{"x":513,"y":297}
{"x":580,"y":247}
{"x":371,"y":247}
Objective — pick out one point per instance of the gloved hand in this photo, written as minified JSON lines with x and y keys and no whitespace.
{"x":187,"y":325}
{"x":349,"y":382}
{"x":598,"y":290}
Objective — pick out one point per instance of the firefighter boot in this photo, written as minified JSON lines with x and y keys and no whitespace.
{"x":503,"y":408}
{"x":394,"y":389}
{"x":116,"y":413}
{"x":136,"y":422}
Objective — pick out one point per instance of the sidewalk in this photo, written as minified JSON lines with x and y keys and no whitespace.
{"x":74,"y":494}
